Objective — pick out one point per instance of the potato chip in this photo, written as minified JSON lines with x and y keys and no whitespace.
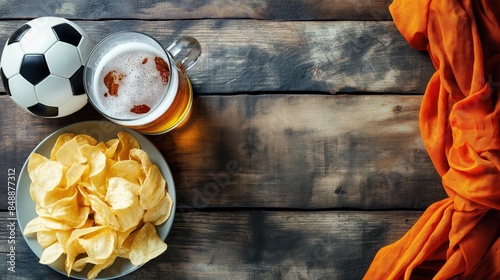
{"x":125,"y":238}
{"x":75,"y":173}
{"x":84,"y":139}
{"x":41,"y":211}
{"x":48,"y":175}
{"x":126,"y":169}
{"x":45,"y":224}
{"x":159,"y":213}
{"x":112,"y":146}
{"x":59,"y":142}
{"x":69,"y":153}
{"x":83,"y":193}
{"x":64,"y":235}
{"x":46,"y":238}
{"x":80,"y":264}
{"x":97,"y":201}
{"x":113,"y":183}
{"x":141,"y":156}
{"x":101,"y":146}
{"x":35,"y":160}
{"x":73,"y":246}
{"x":102,"y":213}
{"x":73,"y":249}
{"x":69,"y":213}
{"x":37,"y":194}
{"x":119,"y":196}
{"x":153,"y":189}
{"x":96,"y":159}
{"x":99,"y":245}
{"x":58,"y":194}
{"x":129,"y":217}
{"x":98,"y":183}
{"x":51,"y":253}
{"x":146,"y":245}
{"x":92,"y":274}
{"x":127,"y":143}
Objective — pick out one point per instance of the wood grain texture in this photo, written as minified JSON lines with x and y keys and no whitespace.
{"x":193,"y":9}
{"x":252,"y":245}
{"x":302,"y":157}
{"x":277,"y":56}
{"x":277,"y":151}
{"x":318,"y":151}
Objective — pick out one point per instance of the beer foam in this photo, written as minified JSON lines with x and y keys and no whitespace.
{"x":141,"y":82}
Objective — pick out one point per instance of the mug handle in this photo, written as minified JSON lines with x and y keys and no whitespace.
{"x":185,"y":52}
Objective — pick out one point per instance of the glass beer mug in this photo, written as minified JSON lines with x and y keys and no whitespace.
{"x":133,"y":81}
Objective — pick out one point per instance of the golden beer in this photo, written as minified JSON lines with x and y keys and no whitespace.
{"x":134,"y":82}
{"x":177,"y":114}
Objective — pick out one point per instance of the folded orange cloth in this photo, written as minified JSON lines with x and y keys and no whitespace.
{"x":457,"y":238}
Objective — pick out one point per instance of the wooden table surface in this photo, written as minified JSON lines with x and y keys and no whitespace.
{"x":315,"y":102}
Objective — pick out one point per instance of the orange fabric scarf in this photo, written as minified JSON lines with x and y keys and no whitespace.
{"x":458,"y":237}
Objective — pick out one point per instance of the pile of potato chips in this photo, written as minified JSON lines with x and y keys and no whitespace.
{"x":97,"y":202}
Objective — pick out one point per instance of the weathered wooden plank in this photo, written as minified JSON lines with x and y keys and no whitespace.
{"x":283,"y":151}
{"x":229,"y":9}
{"x":252,"y":245}
{"x":294,"y":151}
{"x":300,"y":56}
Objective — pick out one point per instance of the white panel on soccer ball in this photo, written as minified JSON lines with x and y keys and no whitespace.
{"x":38,"y":40}
{"x":47,"y":21}
{"x":11,"y":59}
{"x":74,"y":104}
{"x":23,"y":92}
{"x":63,"y":59}
{"x":54,"y":91}
{"x":85,"y":47}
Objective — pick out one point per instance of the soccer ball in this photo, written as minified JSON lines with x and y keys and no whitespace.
{"x":42,"y":66}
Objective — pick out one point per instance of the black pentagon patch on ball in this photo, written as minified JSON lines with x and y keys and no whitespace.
{"x":67,"y":33}
{"x":18,"y":34}
{"x":34,"y":68}
{"x":5,"y":82}
{"x":44,"y":110}
{"x":76,"y":82}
